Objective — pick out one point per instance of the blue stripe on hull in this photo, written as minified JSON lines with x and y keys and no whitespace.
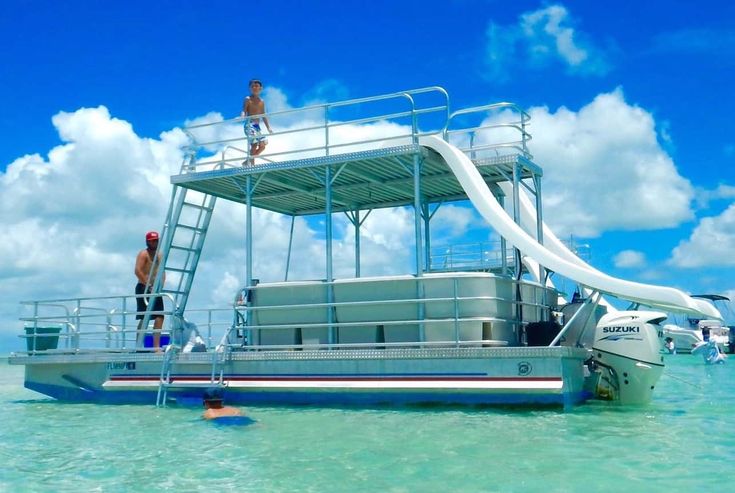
{"x":565,"y":399}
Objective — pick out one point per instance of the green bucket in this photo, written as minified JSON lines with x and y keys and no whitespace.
{"x":46,"y":338}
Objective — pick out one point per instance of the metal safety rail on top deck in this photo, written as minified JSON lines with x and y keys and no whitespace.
{"x":321,"y":123}
{"x":373,"y":156}
{"x":503,"y":130}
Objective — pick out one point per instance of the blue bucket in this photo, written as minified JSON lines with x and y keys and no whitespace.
{"x":148,"y":339}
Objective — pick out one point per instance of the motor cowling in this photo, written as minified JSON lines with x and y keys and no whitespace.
{"x":626,"y":350}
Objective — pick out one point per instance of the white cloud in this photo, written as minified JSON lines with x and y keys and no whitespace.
{"x":452,"y":220}
{"x":604,"y":169}
{"x":722,"y":192}
{"x":629,"y":259}
{"x":539,"y":38}
{"x":711,"y":243}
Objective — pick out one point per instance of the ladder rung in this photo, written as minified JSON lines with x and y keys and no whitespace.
{"x":191,"y":228}
{"x":194,"y":385}
{"x":197,"y":206}
{"x":174,"y":269}
{"x":186,"y":249}
{"x":172,"y":291}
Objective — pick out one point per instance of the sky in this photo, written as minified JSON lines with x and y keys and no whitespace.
{"x":631,"y":106}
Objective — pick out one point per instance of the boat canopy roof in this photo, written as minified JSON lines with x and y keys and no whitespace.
{"x":361,"y":180}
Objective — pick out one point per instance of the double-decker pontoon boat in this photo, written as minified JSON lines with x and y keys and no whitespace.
{"x":465,"y":326}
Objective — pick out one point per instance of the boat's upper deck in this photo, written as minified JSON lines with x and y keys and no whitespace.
{"x":370,"y":146}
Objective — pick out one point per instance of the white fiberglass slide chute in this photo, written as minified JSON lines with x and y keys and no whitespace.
{"x":527,"y":214}
{"x":479,"y":194}
{"x":555,"y":245}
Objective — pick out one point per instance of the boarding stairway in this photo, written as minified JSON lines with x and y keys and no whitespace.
{"x":217,"y":375}
{"x":182,"y":240}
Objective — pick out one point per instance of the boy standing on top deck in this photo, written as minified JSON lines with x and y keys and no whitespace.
{"x":252,"y":108}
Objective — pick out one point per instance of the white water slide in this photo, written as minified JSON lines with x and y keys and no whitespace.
{"x":561,"y":259}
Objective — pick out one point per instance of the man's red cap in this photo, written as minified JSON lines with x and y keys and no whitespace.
{"x":151,"y":235}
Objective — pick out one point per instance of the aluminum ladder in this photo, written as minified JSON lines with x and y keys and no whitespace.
{"x":182,"y":240}
{"x":170,"y":357}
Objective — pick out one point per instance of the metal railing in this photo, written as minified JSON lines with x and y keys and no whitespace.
{"x":487,"y":255}
{"x":93,"y":328}
{"x":537,"y":308}
{"x":482,"y":255}
{"x":105,"y":323}
{"x":319,"y":126}
{"x":503,"y":130}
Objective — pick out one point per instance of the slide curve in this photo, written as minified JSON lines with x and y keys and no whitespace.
{"x":571,"y":267}
{"x":555,"y":245}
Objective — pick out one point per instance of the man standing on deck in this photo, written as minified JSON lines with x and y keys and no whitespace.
{"x":146,"y":278}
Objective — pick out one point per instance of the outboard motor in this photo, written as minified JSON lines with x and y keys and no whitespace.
{"x":626,"y":355}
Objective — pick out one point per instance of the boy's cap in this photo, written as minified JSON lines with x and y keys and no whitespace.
{"x":255,"y":81}
{"x":151,"y":235}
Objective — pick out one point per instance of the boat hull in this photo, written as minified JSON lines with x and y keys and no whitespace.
{"x":475,"y":376}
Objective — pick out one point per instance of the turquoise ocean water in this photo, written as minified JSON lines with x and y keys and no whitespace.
{"x":683,"y":442}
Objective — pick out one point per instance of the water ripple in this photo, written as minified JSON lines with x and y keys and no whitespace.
{"x":663,"y":447}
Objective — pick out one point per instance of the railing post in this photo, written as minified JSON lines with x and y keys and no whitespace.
{"x":326,"y":129}
{"x":109,"y":327}
{"x":209,"y":329}
{"x":456,"y":312}
{"x":35,"y":326}
{"x":290,"y":243}
{"x":330,"y":275}
{"x":427,"y":235}
{"x":418,"y":240}
{"x":246,"y":124}
{"x":78,"y":324}
{"x":357,"y":224}
{"x":249,"y":231}
{"x":124,"y":322}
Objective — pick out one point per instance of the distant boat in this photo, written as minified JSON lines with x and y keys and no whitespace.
{"x":687,"y":338}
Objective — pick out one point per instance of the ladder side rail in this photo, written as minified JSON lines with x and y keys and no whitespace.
{"x":195,"y":255}
{"x":190,"y":251}
{"x":178,"y":200}
{"x":178,"y":196}
{"x":165,"y":378}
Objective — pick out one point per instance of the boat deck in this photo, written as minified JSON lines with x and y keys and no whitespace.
{"x":401,"y":353}
{"x":363,"y":180}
